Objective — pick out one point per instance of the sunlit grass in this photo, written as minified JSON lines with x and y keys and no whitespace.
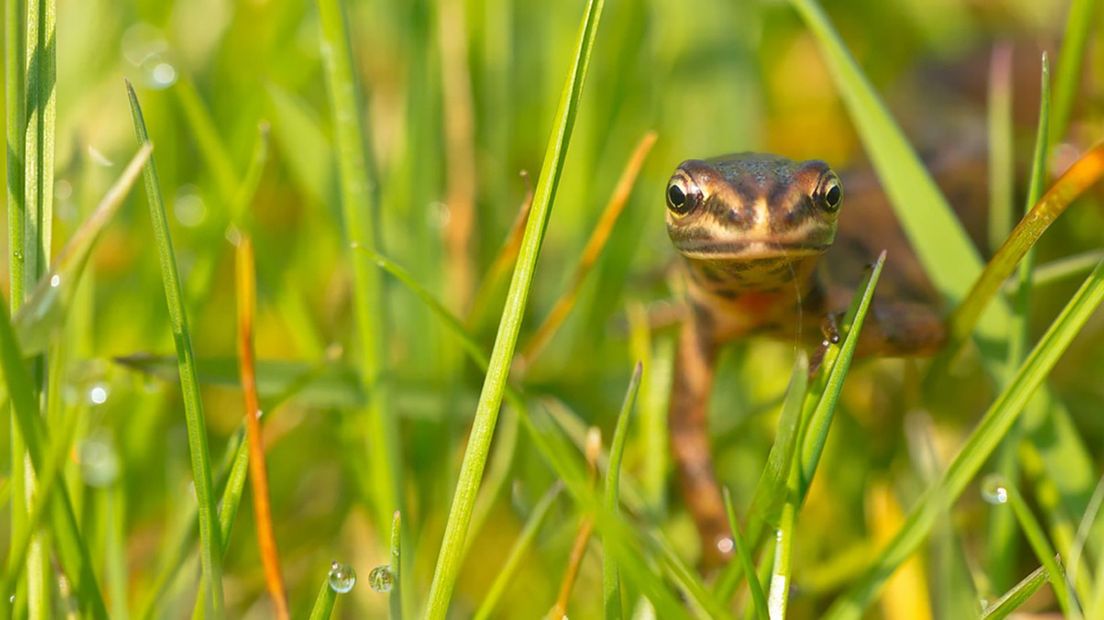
{"x":366,"y":156}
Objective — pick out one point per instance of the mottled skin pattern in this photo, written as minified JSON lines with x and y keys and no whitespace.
{"x":752,"y":229}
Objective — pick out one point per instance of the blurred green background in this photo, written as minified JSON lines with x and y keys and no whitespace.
{"x":457,"y":126}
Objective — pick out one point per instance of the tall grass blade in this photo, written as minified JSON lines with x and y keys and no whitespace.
{"x":611,"y":581}
{"x":1017,"y":596}
{"x":359,"y":205}
{"x":978,"y":447}
{"x":46,"y":308}
{"x":1079,"y":23}
{"x":209,"y":539}
{"x":1080,"y":176}
{"x":1005,"y":492}
{"x":490,"y":399}
{"x":743,"y":554}
{"x":73,"y":552}
{"x":394,"y":600}
{"x":561,"y":457}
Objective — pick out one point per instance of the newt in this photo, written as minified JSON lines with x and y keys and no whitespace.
{"x":758,"y":235}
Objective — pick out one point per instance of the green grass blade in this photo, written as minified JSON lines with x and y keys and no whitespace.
{"x":1080,"y":176}
{"x":208,"y":142}
{"x":820,"y":401}
{"x":517,"y":552}
{"x":978,"y":447}
{"x":1057,"y":270}
{"x":209,"y":539}
{"x":1017,"y":596}
{"x":359,"y":206}
{"x":1001,"y":491}
{"x":324,"y":603}
{"x":743,"y":553}
{"x":1079,"y":23}
{"x":940,"y":242}
{"x":67,"y":538}
{"x":395,"y":598}
{"x":611,"y":582}
{"x":490,"y":399}
{"x":553,"y":449}
{"x":772,"y":488}
{"x":46,"y":308}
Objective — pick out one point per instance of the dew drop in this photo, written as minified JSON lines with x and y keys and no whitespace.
{"x":725,"y":544}
{"x":993,"y":490}
{"x":162,"y":74}
{"x":343,"y":577}
{"x":188,"y":207}
{"x":98,"y":394}
{"x":19,"y":255}
{"x":55,"y":280}
{"x":381,"y":578}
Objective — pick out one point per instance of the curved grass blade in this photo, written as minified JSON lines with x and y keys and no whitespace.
{"x":209,"y":539}
{"x":324,"y":603}
{"x":611,"y":582}
{"x":71,"y":548}
{"x":521,"y":545}
{"x":743,"y":553}
{"x":1018,"y":595}
{"x":1036,"y":537}
{"x":1080,"y":176}
{"x":560,"y":456}
{"x":817,"y":414}
{"x":490,"y":399}
{"x":45,"y":309}
{"x":978,"y":447}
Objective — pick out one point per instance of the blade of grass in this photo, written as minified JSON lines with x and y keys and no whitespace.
{"x":210,"y":146}
{"x":1001,"y":548}
{"x":70,"y":546}
{"x":591,"y":251}
{"x":1004,"y":492}
{"x":209,"y":539}
{"x":525,"y":539}
{"x":1080,"y":176}
{"x":555,"y":451}
{"x":46,"y":308}
{"x":324,"y":603}
{"x":1057,"y":270}
{"x":1017,"y":596}
{"x":394,"y":600}
{"x":817,"y":413}
{"x":500,"y":266}
{"x":743,"y":553}
{"x":611,"y":582}
{"x":772,"y":489}
{"x":359,"y":207}
{"x":262,"y":511}
{"x":1079,"y":22}
{"x":490,"y":399}
{"x":978,"y":447}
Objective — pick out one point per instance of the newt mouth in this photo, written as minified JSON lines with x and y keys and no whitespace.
{"x":748,"y":250}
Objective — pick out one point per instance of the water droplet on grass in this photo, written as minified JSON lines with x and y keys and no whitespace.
{"x":381,"y":578}
{"x":98,"y":462}
{"x":993,"y":490}
{"x":343,"y":577}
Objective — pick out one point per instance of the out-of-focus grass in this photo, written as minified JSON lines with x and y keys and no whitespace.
{"x":725,"y":77}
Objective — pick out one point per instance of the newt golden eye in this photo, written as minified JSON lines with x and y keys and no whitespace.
{"x":829,"y":193}
{"x":681,"y":199}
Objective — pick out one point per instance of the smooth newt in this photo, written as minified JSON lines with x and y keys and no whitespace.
{"x":753,"y":229}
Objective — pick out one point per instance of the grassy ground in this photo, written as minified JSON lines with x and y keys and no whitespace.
{"x":336,"y":186}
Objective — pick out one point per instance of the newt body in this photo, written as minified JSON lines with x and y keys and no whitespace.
{"x":754,"y":231}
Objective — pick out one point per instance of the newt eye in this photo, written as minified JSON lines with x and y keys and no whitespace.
{"x":829,"y":193}
{"x":682,"y":196}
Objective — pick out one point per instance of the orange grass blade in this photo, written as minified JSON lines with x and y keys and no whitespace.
{"x":1080,"y":176}
{"x":591,"y":252}
{"x":266,"y":540}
